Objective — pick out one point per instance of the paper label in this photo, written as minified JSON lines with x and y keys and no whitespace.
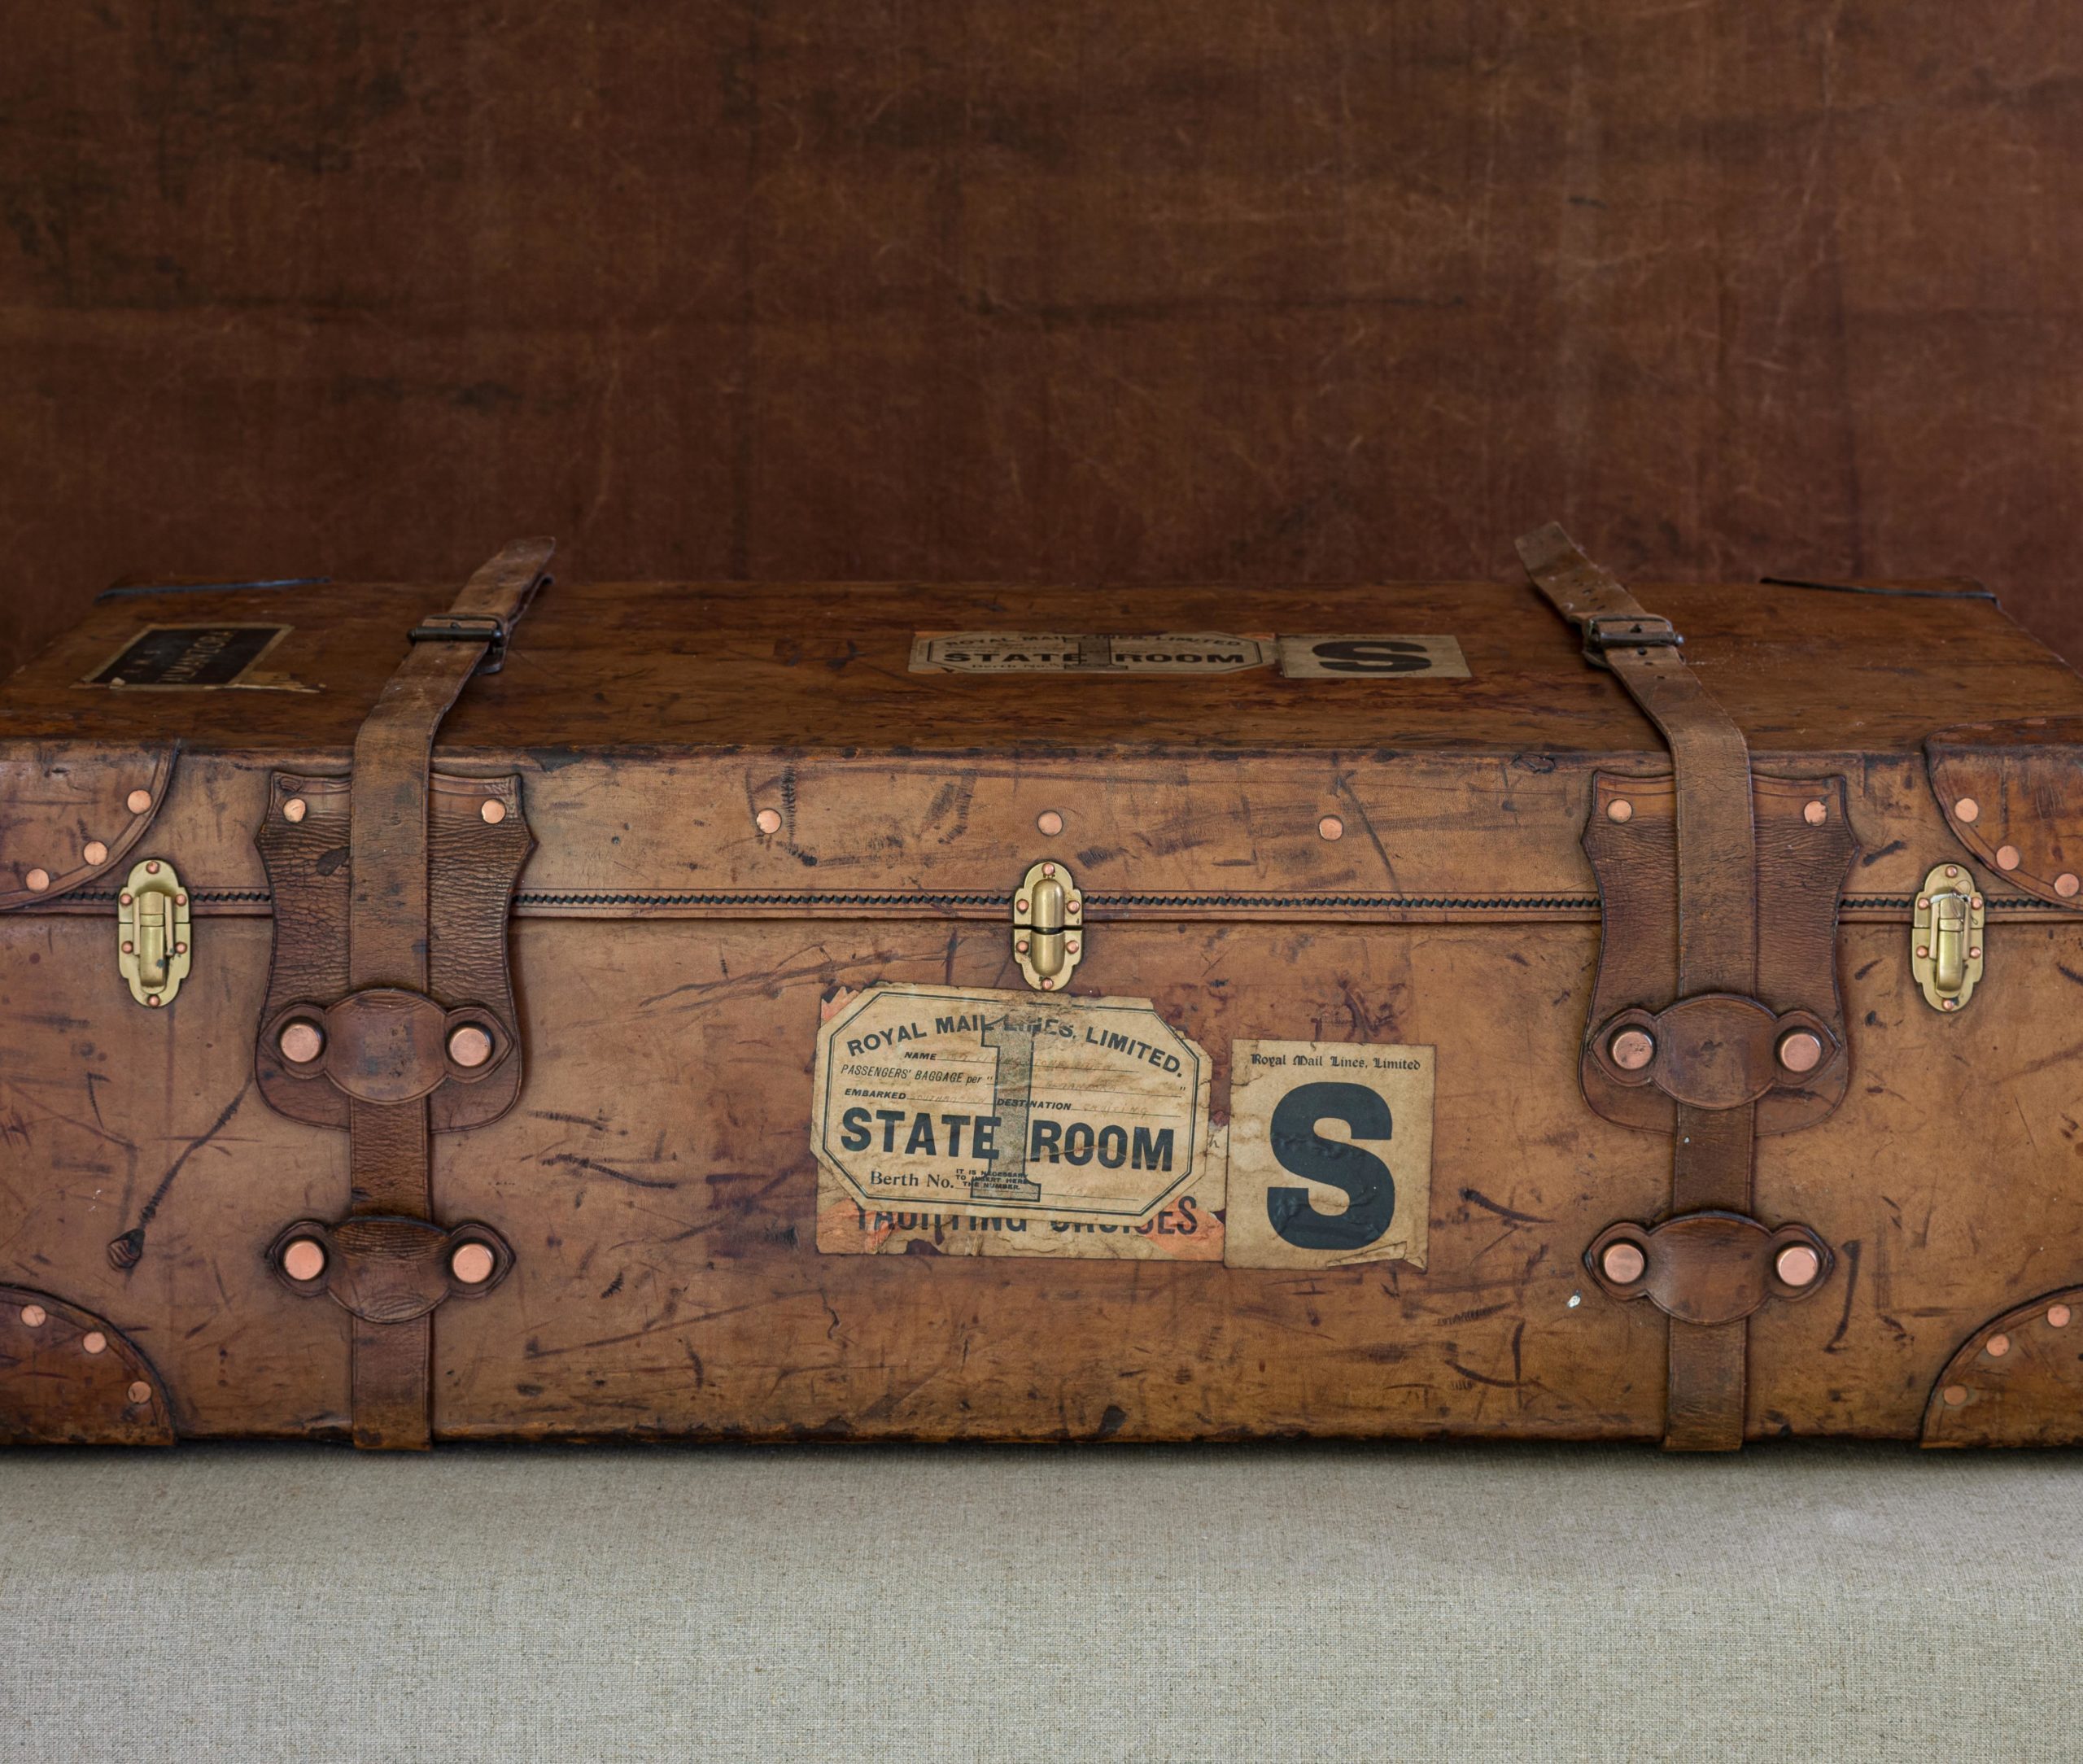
{"x":985,"y":1123}
{"x":1351,"y":656}
{"x":172,"y":657}
{"x":1331,"y":1153}
{"x":1014,"y":652}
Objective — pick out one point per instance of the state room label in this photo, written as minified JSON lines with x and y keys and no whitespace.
{"x":975,"y":1122}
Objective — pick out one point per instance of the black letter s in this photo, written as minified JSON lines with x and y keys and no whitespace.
{"x":1369,"y":1188}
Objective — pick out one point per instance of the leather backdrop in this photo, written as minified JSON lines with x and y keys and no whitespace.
{"x":852,"y":288}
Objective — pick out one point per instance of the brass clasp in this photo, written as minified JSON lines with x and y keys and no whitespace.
{"x":152,"y":933}
{"x":1048,"y":930}
{"x":1946,"y":937}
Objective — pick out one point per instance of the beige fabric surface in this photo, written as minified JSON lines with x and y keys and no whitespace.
{"x":1303,"y":1603}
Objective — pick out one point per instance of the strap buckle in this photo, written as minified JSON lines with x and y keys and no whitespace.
{"x":1626,"y":630}
{"x":486,"y":628}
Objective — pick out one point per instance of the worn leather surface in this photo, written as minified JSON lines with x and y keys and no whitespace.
{"x":2029,"y":1393}
{"x":53,"y":1392}
{"x":2025,"y":781}
{"x":56,"y":798}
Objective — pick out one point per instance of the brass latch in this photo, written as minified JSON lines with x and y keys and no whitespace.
{"x":1946,"y":937}
{"x":151,"y":919}
{"x":1048,"y":932}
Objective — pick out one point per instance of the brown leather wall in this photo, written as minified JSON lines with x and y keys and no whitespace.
{"x":847,"y":288}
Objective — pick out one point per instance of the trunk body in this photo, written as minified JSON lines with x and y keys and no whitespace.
{"x":754,"y":812}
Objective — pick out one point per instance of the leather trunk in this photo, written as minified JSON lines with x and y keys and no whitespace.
{"x":570,"y":1083}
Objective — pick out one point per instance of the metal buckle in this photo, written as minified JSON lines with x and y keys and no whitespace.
{"x":1626,"y":630}
{"x":486,"y":628}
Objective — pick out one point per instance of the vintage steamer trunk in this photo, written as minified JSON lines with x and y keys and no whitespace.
{"x":1036,"y":1014}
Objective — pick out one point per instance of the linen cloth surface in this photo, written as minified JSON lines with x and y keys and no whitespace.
{"x":1264,"y":1603}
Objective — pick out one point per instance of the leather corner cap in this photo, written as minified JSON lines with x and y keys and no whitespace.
{"x":69,"y":1377}
{"x":2016,"y":1381}
{"x":73,"y":811}
{"x":2012,"y":793}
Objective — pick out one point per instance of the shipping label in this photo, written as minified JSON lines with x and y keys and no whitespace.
{"x":1331,"y":1153}
{"x":977,"y":1122}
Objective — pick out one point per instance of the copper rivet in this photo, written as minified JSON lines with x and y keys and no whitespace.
{"x":180,"y":948}
{"x":1976,"y":902}
{"x":2059,"y":1316}
{"x":470,"y":1046}
{"x":1974,"y":952}
{"x":1077,"y":907}
{"x":1955,"y":1395}
{"x":1967,"y":809}
{"x":1048,"y":868}
{"x":153,"y":867}
{"x":301,"y":1042}
{"x":125,"y":897}
{"x":1620,"y":809}
{"x":1624,"y":1264}
{"x":1800,"y":1050}
{"x":1048,"y":985}
{"x":303,"y":1258}
{"x":1632,"y":1050}
{"x":33,"y":1316}
{"x":129,"y":949}
{"x":1021,"y":946}
{"x":2066,"y":884}
{"x":180,"y":900}
{"x":1950,"y":1004}
{"x":1070,"y":946}
{"x":140,"y":1392}
{"x":1049,"y":822}
{"x":1923,"y":952}
{"x":1330,"y":827}
{"x":94,"y":1341}
{"x":153,"y":1000}
{"x":1952,"y":870}
{"x":98,"y":852}
{"x":137,"y":802}
{"x":1020,"y":906}
{"x":1798,"y":1264}
{"x":1999,"y":1346}
{"x":1923,"y":902}
{"x":493,"y":810}
{"x":38,"y":880}
{"x":2007,"y":857}
{"x":472,"y":1263}
{"x":295,"y":809}
{"x":1815,"y":814}
{"x":768,"y":820}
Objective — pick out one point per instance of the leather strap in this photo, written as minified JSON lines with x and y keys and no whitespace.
{"x":388,"y":930}
{"x":1711,"y":1164}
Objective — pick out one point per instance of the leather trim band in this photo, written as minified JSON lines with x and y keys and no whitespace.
{"x":1711,"y":1164}
{"x":387,"y":930}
